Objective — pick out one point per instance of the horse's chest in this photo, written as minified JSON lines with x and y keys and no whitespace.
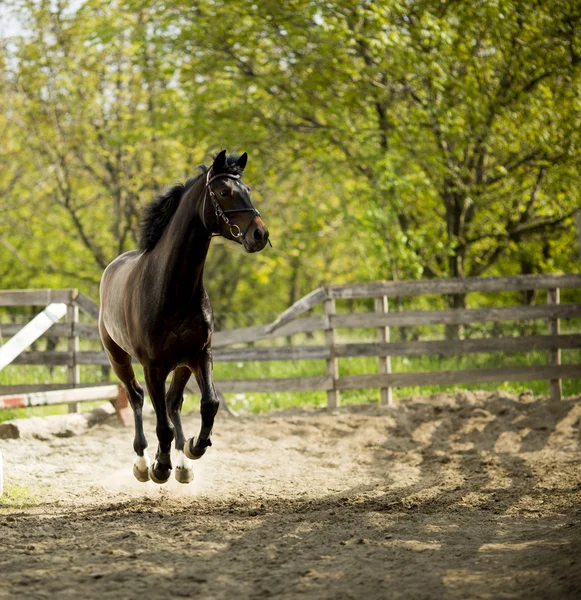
{"x":189,"y":336}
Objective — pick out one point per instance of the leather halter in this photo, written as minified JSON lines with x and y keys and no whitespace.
{"x":220,"y":212}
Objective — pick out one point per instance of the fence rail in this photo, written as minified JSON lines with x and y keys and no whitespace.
{"x":227,"y":344}
{"x":464,"y":285}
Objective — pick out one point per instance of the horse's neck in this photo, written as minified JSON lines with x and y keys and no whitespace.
{"x":182,"y":251}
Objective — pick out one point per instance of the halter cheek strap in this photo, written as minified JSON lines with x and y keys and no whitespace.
{"x":220,"y":212}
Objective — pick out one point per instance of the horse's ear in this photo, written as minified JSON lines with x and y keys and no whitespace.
{"x":242,"y":160}
{"x":219,"y":162}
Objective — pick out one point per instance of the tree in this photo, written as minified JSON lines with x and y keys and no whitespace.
{"x":90,"y":99}
{"x":387,"y":140}
{"x":461,"y":119}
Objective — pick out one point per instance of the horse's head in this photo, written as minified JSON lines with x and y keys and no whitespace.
{"x":233,"y":216}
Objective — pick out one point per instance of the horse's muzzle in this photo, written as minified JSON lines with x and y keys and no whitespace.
{"x":256,"y":237}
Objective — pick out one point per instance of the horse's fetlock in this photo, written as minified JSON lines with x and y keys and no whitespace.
{"x":165,"y":432}
{"x":139,"y":445}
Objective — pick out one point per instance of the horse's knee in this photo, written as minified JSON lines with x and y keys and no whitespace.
{"x":209,"y":407}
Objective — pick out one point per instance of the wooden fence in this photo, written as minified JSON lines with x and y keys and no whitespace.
{"x":227,"y":344}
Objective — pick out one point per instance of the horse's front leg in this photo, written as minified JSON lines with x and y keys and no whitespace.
{"x":160,"y":469}
{"x":195,"y":447}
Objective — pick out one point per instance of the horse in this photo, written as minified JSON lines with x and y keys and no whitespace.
{"x":154,"y":307}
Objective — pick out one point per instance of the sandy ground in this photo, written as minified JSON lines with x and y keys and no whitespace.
{"x":466,"y":496}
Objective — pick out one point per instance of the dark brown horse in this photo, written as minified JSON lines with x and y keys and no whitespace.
{"x":154,"y":306}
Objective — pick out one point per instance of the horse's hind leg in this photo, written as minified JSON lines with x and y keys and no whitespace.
{"x":121,"y":365}
{"x":155,"y":378}
{"x":184,"y":472}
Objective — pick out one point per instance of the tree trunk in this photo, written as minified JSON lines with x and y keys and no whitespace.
{"x":527,"y":268}
{"x":456,"y":332}
{"x":403,"y":330}
{"x":454,"y":203}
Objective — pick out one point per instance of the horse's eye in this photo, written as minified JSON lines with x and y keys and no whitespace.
{"x":224,"y":193}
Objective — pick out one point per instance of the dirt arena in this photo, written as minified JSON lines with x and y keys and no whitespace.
{"x":466,"y":496}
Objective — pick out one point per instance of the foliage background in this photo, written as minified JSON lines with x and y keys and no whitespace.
{"x":394,"y":139}
{"x":387,"y":140}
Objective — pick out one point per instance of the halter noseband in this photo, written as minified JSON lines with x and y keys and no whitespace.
{"x":220,"y":212}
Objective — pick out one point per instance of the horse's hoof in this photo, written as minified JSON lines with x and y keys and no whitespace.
{"x":184,"y":475}
{"x":141,"y":468}
{"x":184,"y":472}
{"x":159,"y":478}
{"x":194,"y":452}
{"x":142,"y":476}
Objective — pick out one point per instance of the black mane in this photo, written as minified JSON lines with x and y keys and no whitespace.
{"x":158,"y":213}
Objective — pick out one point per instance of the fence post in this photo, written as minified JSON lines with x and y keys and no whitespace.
{"x":386,"y":393}
{"x":553,"y":297}
{"x":73,"y":374}
{"x":332,"y":362}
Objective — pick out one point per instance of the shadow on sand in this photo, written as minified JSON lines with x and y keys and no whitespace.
{"x":488,"y":507}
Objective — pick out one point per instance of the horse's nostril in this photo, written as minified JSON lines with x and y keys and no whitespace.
{"x":259,"y":234}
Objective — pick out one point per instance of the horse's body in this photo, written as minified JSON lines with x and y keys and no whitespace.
{"x":154,"y":307}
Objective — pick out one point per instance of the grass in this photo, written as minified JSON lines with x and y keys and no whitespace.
{"x":257,"y":402}
{"x":18,"y":497}
{"x":35,"y":374}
